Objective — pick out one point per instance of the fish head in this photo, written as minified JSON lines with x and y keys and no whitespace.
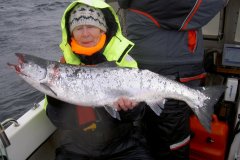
{"x":30,"y":67}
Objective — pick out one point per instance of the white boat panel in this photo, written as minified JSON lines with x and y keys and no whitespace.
{"x":34,"y":129}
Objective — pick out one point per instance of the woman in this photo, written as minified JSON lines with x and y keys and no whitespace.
{"x":91,"y":34}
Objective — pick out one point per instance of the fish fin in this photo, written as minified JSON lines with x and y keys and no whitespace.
{"x":112,"y":112}
{"x":205,"y":112}
{"x":44,"y":85}
{"x":157,"y":107}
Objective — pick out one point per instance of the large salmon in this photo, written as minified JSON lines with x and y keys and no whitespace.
{"x":102,"y":86}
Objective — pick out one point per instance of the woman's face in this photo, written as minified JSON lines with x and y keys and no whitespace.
{"x":87,"y":35}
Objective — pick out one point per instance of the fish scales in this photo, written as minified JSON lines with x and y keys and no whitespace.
{"x":103,"y":81}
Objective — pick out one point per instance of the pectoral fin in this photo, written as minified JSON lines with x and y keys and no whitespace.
{"x":45,"y":86}
{"x":112,"y":112}
{"x":157,"y":107}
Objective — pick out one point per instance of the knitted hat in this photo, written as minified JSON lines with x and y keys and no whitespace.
{"x":86,"y":15}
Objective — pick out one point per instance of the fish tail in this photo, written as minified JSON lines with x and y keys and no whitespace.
{"x":204,"y":113}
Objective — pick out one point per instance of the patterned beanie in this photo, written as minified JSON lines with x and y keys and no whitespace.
{"x":86,"y":15}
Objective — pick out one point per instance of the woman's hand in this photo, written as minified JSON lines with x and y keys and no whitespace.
{"x":125,"y":104}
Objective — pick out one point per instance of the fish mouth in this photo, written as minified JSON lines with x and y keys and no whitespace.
{"x":18,"y":66}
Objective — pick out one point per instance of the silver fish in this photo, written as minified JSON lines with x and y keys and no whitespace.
{"x":101,"y":86}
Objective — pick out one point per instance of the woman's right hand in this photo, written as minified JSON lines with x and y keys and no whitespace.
{"x":125,"y":104}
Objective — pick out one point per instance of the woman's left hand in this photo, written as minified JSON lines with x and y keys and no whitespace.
{"x":125,"y":104}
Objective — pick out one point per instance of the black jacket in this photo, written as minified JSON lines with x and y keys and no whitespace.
{"x":110,"y":135}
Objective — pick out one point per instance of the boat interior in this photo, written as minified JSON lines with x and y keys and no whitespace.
{"x":33,"y":136}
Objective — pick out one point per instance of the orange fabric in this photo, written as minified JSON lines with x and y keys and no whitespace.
{"x":85,"y":115}
{"x":187,"y":79}
{"x":192,"y":40}
{"x":88,"y":50}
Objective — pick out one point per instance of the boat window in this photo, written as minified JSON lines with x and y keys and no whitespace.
{"x":212,"y":28}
